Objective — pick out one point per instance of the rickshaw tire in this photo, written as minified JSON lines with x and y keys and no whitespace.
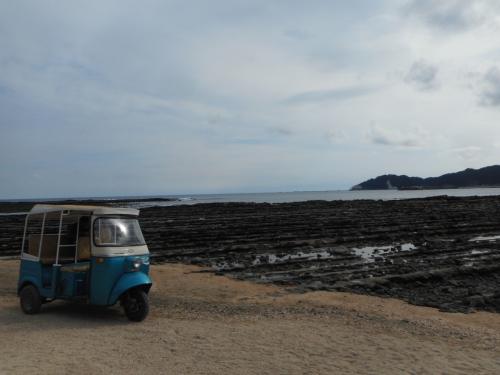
{"x":30,"y":300}
{"x":135,"y":303}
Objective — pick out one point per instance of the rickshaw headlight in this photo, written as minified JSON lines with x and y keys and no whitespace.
{"x":136,"y":264}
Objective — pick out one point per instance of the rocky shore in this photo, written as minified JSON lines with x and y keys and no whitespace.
{"x":441,"y":252}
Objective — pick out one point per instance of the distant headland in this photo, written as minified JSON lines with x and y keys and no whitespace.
{"x":483,"y":177}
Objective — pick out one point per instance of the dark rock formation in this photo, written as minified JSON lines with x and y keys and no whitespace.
{"x":487,"y":176}
{"x":442,"y":252}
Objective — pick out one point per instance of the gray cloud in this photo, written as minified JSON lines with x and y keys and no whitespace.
{"x":280,"y":130}
{"x":297,"y":34}
{"x":449,"y":15}
{"x":468,"y":153}
{"x":490,"y":94}
{"x":391,"y":137}
{"x":326,"y":95}
{"x":422,"y":75}
{"x":335,"y":136}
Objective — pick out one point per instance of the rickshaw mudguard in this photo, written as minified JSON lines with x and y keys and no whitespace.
{"x":27,"y":280}
{"x":128,"y":281}
{"x":30,"y":272}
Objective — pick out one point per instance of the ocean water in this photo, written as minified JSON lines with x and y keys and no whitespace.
{"x":296,"y":196}
{"x":301,"y":196}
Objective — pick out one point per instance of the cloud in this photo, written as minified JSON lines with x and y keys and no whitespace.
{"x":297,"y":34}
{"x":280,"y":130}
{"x":422,"y":76}
{"x":335,"y":136}
{"x":327,"y":95}
{"x":393,"y":137}
{"x":449,"y":15}
{"x":468,"y":153}
{"x":490,"y":93}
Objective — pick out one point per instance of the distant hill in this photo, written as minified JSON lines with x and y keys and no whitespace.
{"x":486,"y":177}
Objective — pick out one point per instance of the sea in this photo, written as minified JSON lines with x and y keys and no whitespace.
{"x":282,"y":197}
{"x":302,"y":196}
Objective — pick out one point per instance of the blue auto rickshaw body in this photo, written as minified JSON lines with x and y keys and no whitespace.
{"x":111,"y":277}
{"x":105,"y":274}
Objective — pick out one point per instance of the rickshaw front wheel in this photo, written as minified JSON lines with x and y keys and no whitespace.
{"x":30,"y":299}
{"x":135,"y":302}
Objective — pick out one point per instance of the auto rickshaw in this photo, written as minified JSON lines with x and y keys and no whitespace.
{"x":90,"y":254}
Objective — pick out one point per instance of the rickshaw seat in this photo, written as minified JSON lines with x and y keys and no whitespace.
{"x":49,"y":249}
{"x":84,"y":248}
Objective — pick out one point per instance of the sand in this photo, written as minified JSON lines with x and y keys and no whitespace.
{"x":201,"y":323}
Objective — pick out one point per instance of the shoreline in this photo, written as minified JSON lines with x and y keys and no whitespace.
{"x":270,"y":197}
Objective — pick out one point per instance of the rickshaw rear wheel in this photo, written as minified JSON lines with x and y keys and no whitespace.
{"x":135,"y":302}
{"x":30,"y":300}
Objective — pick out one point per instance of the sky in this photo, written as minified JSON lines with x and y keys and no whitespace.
{"x":106,"y":98}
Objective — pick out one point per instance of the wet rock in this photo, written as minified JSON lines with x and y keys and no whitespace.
{"x":476,"y":301}
{"x":196,"y":260}
{"x":341,"y":250}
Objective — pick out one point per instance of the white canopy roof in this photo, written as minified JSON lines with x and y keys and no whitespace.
{"x":96,"y":210}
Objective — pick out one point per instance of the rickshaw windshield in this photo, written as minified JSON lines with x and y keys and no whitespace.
{"x":117,"y":232}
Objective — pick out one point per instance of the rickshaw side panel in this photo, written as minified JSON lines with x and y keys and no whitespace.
{"x":105,"y":273}
{"x":30,"y":272}
{"x":128,"y":281}
{"x":33,"y":272}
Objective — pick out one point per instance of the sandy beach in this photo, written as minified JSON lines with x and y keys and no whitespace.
{"x":201,"y":323}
